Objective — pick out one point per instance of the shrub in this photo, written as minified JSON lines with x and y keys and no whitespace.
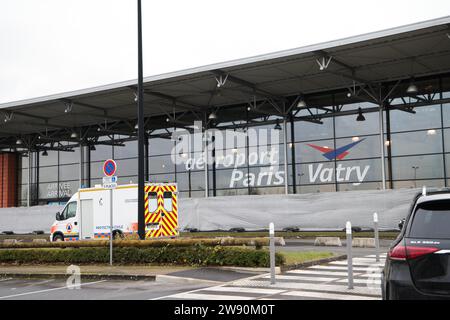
{"x":195,"y":255}
{"x":256,"y":242}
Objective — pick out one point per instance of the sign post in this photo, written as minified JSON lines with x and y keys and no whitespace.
{"x":110,"y":182}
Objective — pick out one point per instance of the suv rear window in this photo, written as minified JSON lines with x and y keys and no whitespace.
{"x":431,"y":220}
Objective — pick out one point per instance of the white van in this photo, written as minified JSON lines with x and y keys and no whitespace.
{"x":86,"y":215}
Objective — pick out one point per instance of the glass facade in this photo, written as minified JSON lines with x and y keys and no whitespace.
{"x":340,"y":154}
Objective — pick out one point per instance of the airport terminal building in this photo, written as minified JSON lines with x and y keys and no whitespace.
{"x":362,"y":113}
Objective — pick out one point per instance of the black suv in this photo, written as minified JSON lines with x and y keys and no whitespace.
{"x":418,"y":263}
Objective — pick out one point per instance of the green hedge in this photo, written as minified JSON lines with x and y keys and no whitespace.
{"x":256,"y":242}
{"x":197,"y":255}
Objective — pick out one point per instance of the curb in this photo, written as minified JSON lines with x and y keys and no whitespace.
{"x":247,"y":269}
{"x":163,"y":277}
{"x":307,"y":264}
{"x":97,"y":276}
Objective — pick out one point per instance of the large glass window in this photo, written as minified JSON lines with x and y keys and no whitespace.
{"x":312,"y":151}
{"x":418,"y":142}
{"x":130,"y":150}
{"x":358,"y":147}
{"x":447,"y":164}
{"x":424,"y":118}
{"x":161,"y":164}
{"x":347,"y":126}
{"x":66,"y":157}
{"x":315,"y":173}
{"x":51,"y":159}
{"x":446,"y":114}
{"x":48,"y":174}
{"x":159,"y":146}
{"x":418,"y":167}
{"x":306,"y":131}
{"x":69,"y":172}
{"x":447,"y":140}
{"x":358,"y":171}
{"x":101,"y":152}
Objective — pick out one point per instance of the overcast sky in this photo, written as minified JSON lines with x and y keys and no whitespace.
{"x":54,"y":46}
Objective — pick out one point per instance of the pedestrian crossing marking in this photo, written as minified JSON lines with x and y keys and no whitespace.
{"x":246,"y":290}
{"x":203,"y":296}
{"x":361,"y":281}
{"x":326,"y":295}
{"x":321,"y":273}
{"x":328,"y":281}
{"x":304,"y":278}
{"x":340,"y":268}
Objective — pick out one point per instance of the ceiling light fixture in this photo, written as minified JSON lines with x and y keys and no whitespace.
{"x":277,"y":125}
{"x":301,"y":103}
{"x":45,"y":153}
{"x":412,"y":88}
{"x":212,"y":116}
{"x":360,"y":116}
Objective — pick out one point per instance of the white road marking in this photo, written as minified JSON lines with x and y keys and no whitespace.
{"x":361,"y":281}
{"x":5,"y":279}
{"x":371,"y":275}
{"x":339,"y":288}
{"x":321,"y":273}
{"x":326,"y":295}
{"x":205,"y":288}
{"x":302,"y":278}
{"x":47,"y":290}
{"x":245,"y":290}
{"x":356,"y":260}
{"x":201,"y":296}
{"x":382,"y":255}
{"x":340,"y":268}
{"x":344,"y":263}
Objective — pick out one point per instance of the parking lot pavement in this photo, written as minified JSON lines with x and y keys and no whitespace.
{"x":325,"y":282}
{"x":56,"y":289}
{"x":164,"y":285}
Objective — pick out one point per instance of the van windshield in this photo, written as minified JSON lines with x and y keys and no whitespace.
{"x":70,"y":211}
{"x":431,"y":220}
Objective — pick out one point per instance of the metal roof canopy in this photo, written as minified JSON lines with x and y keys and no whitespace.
{"x":371,"y":67}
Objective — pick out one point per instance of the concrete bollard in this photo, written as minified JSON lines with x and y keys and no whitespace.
{"x":328,"y":241}
{"x":272,"y":252}
{"x":10,"y":241}
{"x":363,"y":242}
{"x":348,"y":231}
{"x":377,"y":237}
{"x":40,"y":240}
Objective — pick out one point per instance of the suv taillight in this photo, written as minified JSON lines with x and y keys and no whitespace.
{"x":401,"y":252}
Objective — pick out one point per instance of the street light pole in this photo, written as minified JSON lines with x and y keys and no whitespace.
{"x":141,"y":131}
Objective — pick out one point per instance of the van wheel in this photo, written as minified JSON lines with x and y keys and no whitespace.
{"x":117,"y":235}
{"x":58,"y":238}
